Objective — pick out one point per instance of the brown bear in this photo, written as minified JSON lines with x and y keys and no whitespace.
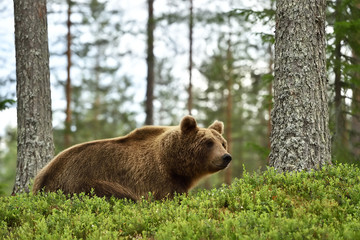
{"x":161,"y":160}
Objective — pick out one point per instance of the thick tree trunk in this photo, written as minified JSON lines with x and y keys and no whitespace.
{"x":300,"y":138}
{"x":149,"y":108}
{"x":35,"y":141}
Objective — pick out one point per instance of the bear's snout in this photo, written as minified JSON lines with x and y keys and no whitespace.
{"x":226,"y":158}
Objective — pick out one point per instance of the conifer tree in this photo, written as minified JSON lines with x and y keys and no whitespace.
{"x":300,"y":137}
{"x":150,"y":60}
{"x":35,"y":139}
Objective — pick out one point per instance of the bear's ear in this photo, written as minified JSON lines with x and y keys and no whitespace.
{"x":217,"y":126}
{"x":188,"y":124}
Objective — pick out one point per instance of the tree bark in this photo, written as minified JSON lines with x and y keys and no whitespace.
{"x":35,"y":140}
{"x":300,"y":138}
{"x":149,"y":108}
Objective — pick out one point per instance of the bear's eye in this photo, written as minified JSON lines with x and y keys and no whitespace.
{"x":224,"y":145}
{"x":209,"y":144}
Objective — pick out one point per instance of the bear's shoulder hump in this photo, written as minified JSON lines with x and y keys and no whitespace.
{"x":148,"y":132}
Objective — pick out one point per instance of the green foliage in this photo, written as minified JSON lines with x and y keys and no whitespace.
{"x":4,"y":104}
{"x":304,"y":205}
{"x":266,"y":15}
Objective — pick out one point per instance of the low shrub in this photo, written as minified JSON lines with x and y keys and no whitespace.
{"x":305,"y":205}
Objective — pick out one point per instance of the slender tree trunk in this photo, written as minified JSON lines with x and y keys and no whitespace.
{"x":67,"y":135}
{"x":300,"y":138}
{"x":191,"y":26}
{"x":149,"y":108}
{"x":339,"y":114}
{"x":97,"y":96}
{"x":35,"y":140}
{"x":271,"y":62}
{"x":229,"y":108}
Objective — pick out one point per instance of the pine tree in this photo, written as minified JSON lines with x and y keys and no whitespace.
{"x":300,"y":138}
{"x":150,"y":60}
{"x":191,"y":29}
{"x":67,"y":132}
{"x":35,"y":139}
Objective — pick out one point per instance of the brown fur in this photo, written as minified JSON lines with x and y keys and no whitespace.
{"x":156,"y":159}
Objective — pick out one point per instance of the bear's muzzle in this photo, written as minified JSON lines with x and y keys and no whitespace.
{"x":226,"y":159}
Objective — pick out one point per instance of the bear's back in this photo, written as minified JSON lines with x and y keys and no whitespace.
{"x":147,"y":133}
{"x":116,"y":159}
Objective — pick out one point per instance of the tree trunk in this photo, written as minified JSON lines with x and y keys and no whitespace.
{"x":67,"y":135}
{"x":149,"y":108}
{"x":97,"y":93}
{"x":35,"y":141}
{"x":339,"y":114}
{"x":229,"y":109}
{"x":191,"y":26}
{"x":271,"y":71}
{"x":300,"y":138}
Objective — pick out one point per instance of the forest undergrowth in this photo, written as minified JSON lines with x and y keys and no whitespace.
{"x":305,"y":205}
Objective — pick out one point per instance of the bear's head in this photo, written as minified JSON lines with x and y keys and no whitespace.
{"x":195,"y":152}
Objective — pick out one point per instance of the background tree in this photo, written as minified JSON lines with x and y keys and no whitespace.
{"x":67,"y":132}
{"x":229,"y":103}
{"x":338,"y":100}
{"x":234,"y":85}
{"x":99,"y":92}
{"x":343,"y":69}
{"x":150,"y":60}
{"x":35,"y":141}
{"x":191,"y":29}
{"x":219,"y":98}
{"x":300,"y":138}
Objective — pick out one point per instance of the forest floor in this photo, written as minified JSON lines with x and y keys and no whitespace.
{"x":317,"y":205}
